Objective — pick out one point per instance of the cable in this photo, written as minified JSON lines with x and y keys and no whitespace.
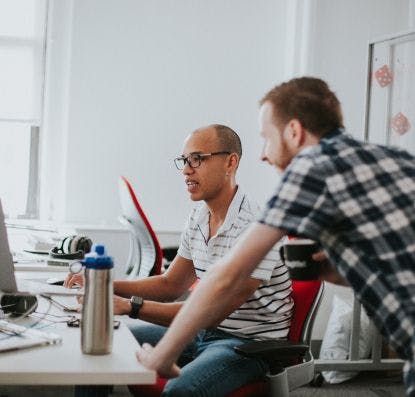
{"x":63,"y":319}
{"x":23,"y":315}
{"x":60,"y":305}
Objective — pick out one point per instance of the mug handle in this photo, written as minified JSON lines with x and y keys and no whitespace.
{"x":282,"y":255}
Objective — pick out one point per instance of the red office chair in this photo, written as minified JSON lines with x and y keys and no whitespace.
{"x":291,"y":363}
{"x":146,"y":256}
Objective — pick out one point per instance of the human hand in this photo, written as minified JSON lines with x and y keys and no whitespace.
{"x":121,"y":305}
{"x":147,"y":356}
{"x":328,"y":272}
{"x":74,"y":279}
{"x":319,"y":256}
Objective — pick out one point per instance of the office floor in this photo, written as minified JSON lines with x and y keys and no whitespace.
{"x":365,"y":385}
{"x":51,"y":391}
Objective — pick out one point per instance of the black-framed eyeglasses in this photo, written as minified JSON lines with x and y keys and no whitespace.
{"x":194,"y":159}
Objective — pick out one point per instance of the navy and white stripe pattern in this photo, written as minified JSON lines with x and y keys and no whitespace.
{"x":358,"y":201}
{"x":267,"y":313}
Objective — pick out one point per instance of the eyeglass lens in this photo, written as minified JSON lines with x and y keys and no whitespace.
{"x":192,"y":159}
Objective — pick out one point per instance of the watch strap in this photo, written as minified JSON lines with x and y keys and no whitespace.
{"x":136,"y":304}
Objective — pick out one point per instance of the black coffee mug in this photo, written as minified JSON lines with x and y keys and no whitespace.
{"x":297,"y":256}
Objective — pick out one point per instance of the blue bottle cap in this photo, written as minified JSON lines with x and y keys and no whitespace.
{"x":98,"y":259}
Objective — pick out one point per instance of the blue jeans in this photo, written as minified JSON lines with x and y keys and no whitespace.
{"x":210,"y":367}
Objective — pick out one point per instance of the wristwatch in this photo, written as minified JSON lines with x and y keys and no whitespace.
{"x":136,"y":303}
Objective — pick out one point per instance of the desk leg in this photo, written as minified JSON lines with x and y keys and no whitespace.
{"x":93,"y":390}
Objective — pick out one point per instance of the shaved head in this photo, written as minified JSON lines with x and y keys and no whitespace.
{"x":227,"y":139}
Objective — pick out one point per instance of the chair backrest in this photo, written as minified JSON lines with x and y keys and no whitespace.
{"x":307,"y":297}
{"x":146,"y":254}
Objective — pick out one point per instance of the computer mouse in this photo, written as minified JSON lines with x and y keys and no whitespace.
{"x":55,"y":281}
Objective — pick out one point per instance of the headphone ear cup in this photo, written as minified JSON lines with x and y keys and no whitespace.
{"x":66,"y":244}
{"x":84,"y":244}
{"x":81,"y":243}
{"x":74,"y":246}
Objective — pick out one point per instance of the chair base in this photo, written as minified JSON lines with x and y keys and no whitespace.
{"x":291,"y":378}
{"x":279,"y":384}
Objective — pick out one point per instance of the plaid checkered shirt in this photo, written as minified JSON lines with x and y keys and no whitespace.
{"x":357,"y":200}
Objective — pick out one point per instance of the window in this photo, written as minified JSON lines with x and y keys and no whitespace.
{"x":22,"y":76}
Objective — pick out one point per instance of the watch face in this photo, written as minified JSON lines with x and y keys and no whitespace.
{"x":136,"y":303}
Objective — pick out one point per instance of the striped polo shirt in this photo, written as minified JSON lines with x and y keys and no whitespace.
{"x":267,"y":313}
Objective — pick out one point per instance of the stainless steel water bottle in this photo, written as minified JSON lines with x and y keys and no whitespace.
{"x":97,"y":308}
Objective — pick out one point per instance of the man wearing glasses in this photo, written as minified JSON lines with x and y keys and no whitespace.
{"x":210,"y":366}
{"x":355,"y":198}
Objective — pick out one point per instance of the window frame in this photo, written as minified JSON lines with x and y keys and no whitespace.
{"x":32,"y":209}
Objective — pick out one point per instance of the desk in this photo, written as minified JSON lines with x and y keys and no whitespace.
{"x":64,"y":364}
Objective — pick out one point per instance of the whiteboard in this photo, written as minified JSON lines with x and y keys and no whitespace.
{"x":390,"y":101}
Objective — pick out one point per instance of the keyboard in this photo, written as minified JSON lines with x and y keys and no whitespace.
{"x":15,"y":337}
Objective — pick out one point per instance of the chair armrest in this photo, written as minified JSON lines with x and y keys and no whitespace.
{"x":276,"y":353}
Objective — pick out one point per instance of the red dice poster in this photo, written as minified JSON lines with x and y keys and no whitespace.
{"x":400,"y":123}
{"x":384,"y":76}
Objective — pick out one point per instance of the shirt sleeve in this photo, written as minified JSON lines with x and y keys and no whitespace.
{"x":302,"y":204}
{"x":266,"y":267}
{"x":272,"y":260}
{"x":184,"y":247}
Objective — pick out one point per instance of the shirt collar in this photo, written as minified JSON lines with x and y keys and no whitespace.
{"x":233,"y":210}
{"x":333,"y":134}
{"x":329,"y":137}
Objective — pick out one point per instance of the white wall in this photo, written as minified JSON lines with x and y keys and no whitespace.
{"x":342,"y":30}
{"x":142,"y":75}
{"x":127,"y":81}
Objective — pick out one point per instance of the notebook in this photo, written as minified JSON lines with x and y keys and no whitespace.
{"x":8,"y":282}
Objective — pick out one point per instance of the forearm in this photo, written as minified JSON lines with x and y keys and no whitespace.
{"x":165,"y":287}
{"x":192,"y":317}
{"x":153,"y":288}
{"x":218,"y":294}
{"x":159,"y":313}
{"x":163,"y":313}
{"x":153,"y":312}
{"x":330,"y":274}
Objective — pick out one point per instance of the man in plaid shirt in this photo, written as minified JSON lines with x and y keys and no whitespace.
{"x":356,"y":199}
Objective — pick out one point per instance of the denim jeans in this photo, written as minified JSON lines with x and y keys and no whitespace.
{"x":210,"y":367}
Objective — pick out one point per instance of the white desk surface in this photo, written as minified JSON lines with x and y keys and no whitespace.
{"x":64,"y":364}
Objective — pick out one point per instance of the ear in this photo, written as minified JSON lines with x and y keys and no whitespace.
{"x":296,"y":133}
{"x":232,"y":163}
